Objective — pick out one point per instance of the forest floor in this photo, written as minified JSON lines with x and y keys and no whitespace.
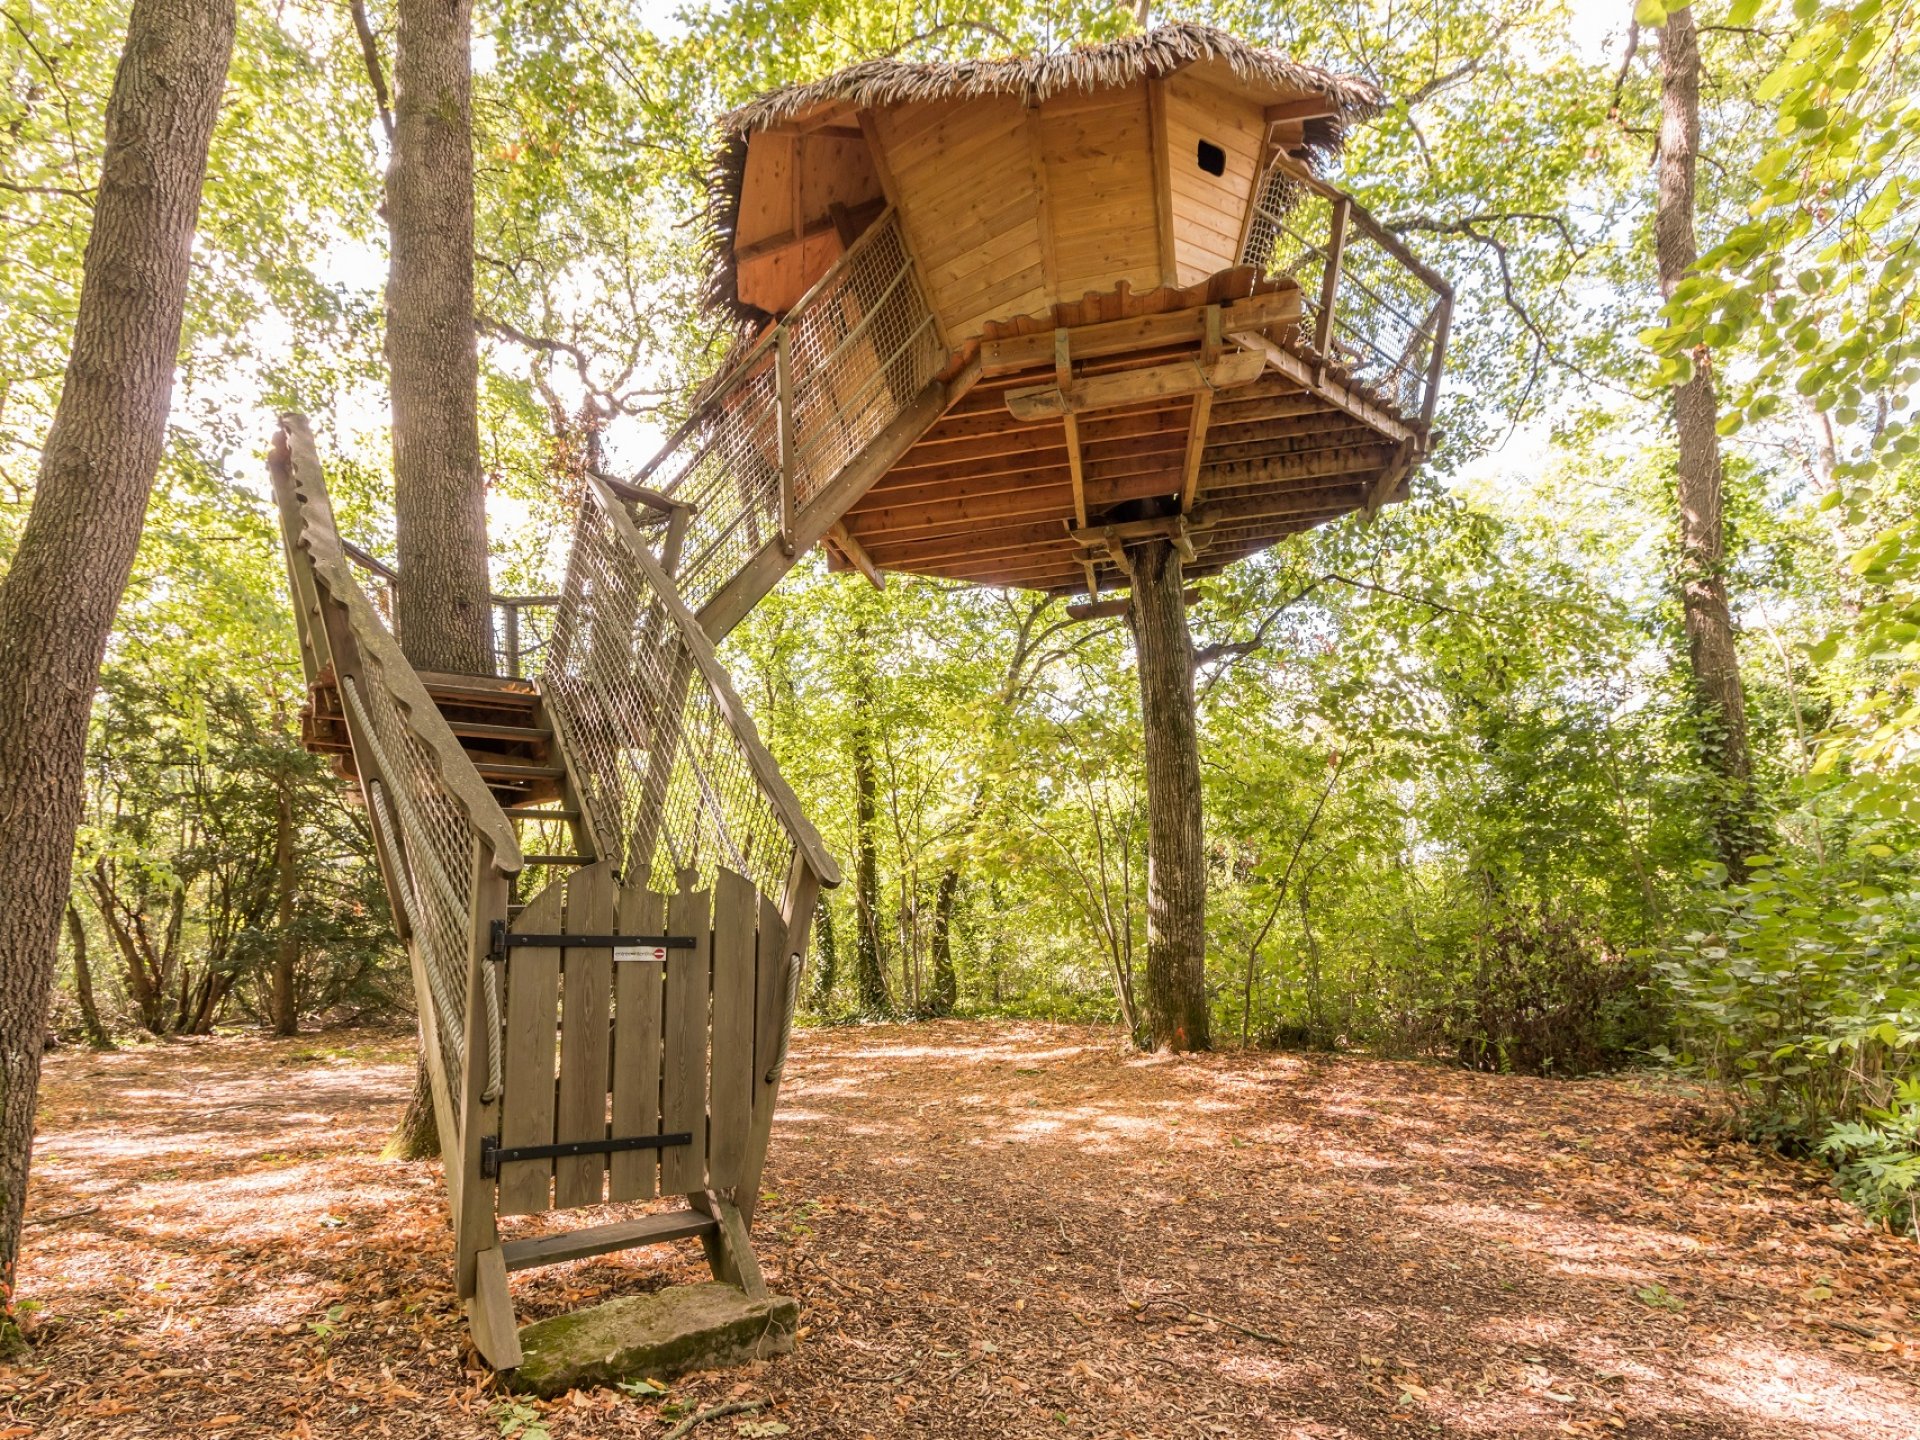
{"x":992,"y":1230}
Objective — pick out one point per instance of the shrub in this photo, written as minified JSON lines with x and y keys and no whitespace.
{"x":1546,"y":996}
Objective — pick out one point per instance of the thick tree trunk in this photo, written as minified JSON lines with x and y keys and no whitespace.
{"x":440,"y":516}
{"x":96,"y":471}
{"x":1176,"y":864}
{"x":286,"y":945}
{"x":417,"y":1137}
{"x":83,"y":980}
{"x":1719,"y":697}
{"x":445,"y":616}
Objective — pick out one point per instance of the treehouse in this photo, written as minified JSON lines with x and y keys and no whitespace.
{"x":1144,"y":311}
{"x":1013,"y":323}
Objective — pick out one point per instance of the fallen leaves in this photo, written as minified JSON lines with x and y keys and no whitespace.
{"x":1324,"y":1245}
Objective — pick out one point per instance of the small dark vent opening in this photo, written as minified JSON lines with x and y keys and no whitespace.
{"x":1213,"y":159}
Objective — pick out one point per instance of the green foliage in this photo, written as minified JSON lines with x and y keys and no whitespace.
{"x":1878,"y":1158}
{"x":1801,"y":987}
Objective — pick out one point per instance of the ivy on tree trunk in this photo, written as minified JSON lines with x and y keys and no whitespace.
{"x":1719,"y":697}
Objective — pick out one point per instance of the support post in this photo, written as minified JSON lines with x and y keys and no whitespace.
{"x":1330,"y":280}
{"x":1176,"y":863}
{"x":512,"y":627}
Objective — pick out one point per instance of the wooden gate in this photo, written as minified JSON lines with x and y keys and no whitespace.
{"x":643,"y":1038}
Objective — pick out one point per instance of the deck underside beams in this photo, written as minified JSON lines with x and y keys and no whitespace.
{"x":992,"y":492}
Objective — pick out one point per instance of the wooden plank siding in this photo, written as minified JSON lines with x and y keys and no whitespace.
{"x":1100,"y":183}
{"x":1208,"y":209}
{"x":962,"y":176}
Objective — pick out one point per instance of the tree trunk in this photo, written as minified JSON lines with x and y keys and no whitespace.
{"x":946,"y":986}
{"x":827,"y":971}
{"x":1719,"y":698}
{"x":286,"y":948}
{"x":417,"y":1137}
{"x":58,"y":600}
{"x":1176,"y":864}
{"x":869,"y":965}
{"x":97,"y":1035}
{"x":445,"y":615}
{"x":440,"y":514}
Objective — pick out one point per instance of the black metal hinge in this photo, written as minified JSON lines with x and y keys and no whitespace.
{"x":493,"y":1155}
{"x":504,"y":940}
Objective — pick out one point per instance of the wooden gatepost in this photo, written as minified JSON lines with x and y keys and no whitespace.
{"x":1016,"y":323}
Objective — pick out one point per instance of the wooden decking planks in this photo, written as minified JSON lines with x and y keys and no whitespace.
{"x":735,"y":906}
{"x":586,"y":998}
{"x":684,"y":1090}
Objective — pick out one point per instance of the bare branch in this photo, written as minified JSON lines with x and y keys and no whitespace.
{"x":376,"y":76}
{"x":1626,"y":64}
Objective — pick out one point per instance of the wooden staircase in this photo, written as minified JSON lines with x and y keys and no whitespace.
{"x":502,"y":726}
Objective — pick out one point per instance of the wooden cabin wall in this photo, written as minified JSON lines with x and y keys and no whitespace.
{"x":785,"y":237}
{"x":1099,"y":181}
{"x":1208,"y":209}
{"x":962,"y":175}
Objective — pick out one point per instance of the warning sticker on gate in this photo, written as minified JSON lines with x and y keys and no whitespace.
{"x":645,"y":954}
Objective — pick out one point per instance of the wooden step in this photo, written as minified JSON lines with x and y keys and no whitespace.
{"x":523,"y":734}
{"x":494,"y":769}
{"x":480,"y":691}
{"x":537,"y":812}
{"x":605,"y":1239}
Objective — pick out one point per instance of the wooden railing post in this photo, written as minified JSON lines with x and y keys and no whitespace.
{"x":1434,"y":362}
{"x":783,"y":405}
{"x":1330,"y":279}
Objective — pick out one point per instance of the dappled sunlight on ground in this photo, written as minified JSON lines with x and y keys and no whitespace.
{"x":993,"y":1230}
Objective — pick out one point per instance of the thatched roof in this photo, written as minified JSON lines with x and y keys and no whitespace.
{"x":875,"y":84}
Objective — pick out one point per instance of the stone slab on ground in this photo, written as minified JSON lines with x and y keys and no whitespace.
{"x":657,"y":1335}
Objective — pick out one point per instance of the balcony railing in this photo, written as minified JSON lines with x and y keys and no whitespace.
{"x":1376,"y":317}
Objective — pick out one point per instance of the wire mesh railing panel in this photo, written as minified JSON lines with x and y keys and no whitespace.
{"x":1288,"y":236}
{"x":668,"y":782}
{"x":1386,"y":316}
{"x":1383,"y":325}
{"x":727,"y":467}
{"x":861,"y":350}
{"x":861,"y":346}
